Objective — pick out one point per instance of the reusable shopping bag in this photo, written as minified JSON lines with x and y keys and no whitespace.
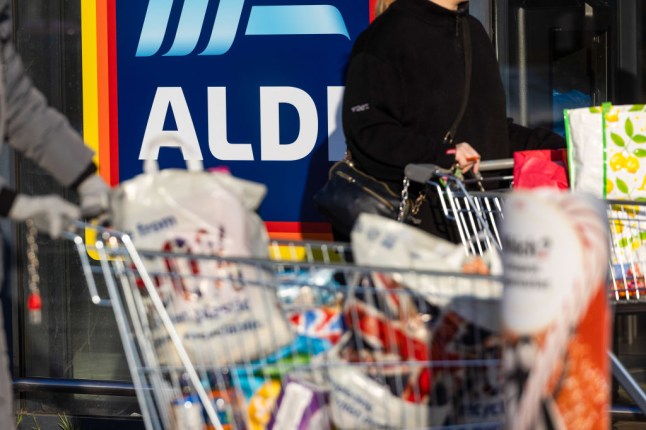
{"x":224,"y":312}
{"x":607,"y":151}
{"x":607,"y":158}
{"x":541,"y":168}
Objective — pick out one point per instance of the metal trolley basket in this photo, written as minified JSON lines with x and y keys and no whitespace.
{"x":339,"y":345}
{"x":477,"y":216}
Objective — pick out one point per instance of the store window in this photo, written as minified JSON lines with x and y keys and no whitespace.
{"x":77,"y":345}
{"x":555,"y":55}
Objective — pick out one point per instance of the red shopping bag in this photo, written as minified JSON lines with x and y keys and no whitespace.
{"x":541,"y":168}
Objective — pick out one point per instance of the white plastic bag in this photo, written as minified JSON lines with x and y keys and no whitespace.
{"x":382,"y":242}
{"x":224,"y":312}
{"x":152,"y":206}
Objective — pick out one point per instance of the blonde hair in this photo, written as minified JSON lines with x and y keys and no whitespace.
{"x":381,"y":6}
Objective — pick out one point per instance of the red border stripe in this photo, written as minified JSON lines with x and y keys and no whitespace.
{"x":113,"y":91}
{"x":298,"y":227}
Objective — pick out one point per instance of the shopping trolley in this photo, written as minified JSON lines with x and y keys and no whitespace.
{"x":477,"y":216}
{"x":338,"y":345}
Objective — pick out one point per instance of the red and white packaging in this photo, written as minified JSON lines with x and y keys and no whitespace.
{"x":555,"y":315}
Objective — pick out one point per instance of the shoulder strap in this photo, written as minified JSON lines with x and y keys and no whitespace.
{"x":466,"y":40}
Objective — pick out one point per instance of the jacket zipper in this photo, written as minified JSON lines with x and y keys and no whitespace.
{"x":458,"y":16}
{"x":459,"y":36}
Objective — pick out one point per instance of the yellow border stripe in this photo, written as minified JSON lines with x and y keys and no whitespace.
{"x":90,"y":92}
{"x":90,"y":76}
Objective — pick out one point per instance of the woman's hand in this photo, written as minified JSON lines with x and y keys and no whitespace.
{"x":467,"y":157}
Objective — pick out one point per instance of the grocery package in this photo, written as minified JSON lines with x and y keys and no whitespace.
{"x":311,"y":304}
{"x":319,"y":323}
{"x":406,"y":359}
{"x":222,"y":310}
{"x":606,"y":150}
{"x":537,"y":168}
{"x":260,"y":382}
{"x":556,"y":320}
{"x":187,"y":411}
{"x":299,"y":287}
{"x":360,"y":390}
{"x":302,"y":405}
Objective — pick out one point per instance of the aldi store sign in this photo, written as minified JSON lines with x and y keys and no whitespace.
{"x":251,"y":86}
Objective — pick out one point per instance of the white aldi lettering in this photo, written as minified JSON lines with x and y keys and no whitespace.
{"x":156,"y":137}
{"x":271,"y":149}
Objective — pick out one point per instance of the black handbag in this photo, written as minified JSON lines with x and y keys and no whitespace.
{"x":350,"y":192}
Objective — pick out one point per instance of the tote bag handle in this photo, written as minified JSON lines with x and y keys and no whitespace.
{"x":149,"y":154}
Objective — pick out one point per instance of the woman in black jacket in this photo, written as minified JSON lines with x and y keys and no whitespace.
{"x":405,"y":85}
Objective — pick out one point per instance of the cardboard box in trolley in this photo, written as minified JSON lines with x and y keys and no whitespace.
{"x":556,"y":320}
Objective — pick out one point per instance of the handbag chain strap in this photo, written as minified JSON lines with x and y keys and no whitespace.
{"x":403,"y":203}
{"x":404,"y":200}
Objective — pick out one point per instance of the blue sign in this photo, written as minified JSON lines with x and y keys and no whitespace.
{"x":255,"y":87}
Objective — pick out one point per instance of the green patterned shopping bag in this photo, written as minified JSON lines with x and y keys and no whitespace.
{"x":607,"y":151}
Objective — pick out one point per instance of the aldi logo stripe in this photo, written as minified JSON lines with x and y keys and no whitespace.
{"x":263,"y":21}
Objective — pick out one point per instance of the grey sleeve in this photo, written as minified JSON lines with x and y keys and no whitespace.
{"x":36,"y":130}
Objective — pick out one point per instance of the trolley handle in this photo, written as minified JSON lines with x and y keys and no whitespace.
{"x":501,"y":164}
{"x":422,"y":173}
